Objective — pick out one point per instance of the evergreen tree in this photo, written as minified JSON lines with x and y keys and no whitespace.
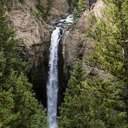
{"x":122,"y":24}
{"x":78,"y":7}
{"x":18,"y":106}
{"x":9,"y":53}
{"x":123,"y":8}
{"x":92,"y":103}
{"x":95,"y":102}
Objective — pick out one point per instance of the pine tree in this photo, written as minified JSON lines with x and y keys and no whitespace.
{"x":18,"y":101}
{"x":122,"y":23}
{"x":10,"y":56}
{"x":94,"y":102}
{"x":123,"y":8}
{"x":78,"y":7}
{"x":18,"y":106}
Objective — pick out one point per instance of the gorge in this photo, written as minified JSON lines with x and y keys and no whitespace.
{"x":63,"y":71}
{"x":35,"y":40}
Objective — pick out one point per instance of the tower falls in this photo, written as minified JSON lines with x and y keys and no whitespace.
{"x":52,"y":84}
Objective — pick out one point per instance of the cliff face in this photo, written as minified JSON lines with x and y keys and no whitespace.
{"x":58,"y":9}
{"x":76,"y":43}
{"x":32,"y":21}
{"x":30,"y":31}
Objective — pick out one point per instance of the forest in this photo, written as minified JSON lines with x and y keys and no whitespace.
{"x":92,"y":63}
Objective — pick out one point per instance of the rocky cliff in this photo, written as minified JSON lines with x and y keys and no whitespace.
{"x":76,"y":44}
{"x":33,"y":23}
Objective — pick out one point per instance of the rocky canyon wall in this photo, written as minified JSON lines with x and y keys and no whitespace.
{"x":76,"y":44}
{"x":33,"y":23}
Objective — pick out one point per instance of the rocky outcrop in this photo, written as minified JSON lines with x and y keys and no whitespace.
{"x":32,"y":32}
{"x":58,"y":9}
{"x":76,"y":43}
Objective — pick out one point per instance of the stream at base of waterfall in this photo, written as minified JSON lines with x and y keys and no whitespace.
{"x":52,"y":84}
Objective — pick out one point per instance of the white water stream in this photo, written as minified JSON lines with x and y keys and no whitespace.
{"x":52,"y":85}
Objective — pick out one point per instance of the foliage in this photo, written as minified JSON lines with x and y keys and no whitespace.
{"x":79,"y":6}
{"x":108,"y":55}
{"x":94,"y":101}
{"x":19,"y":109}
{"x":18,"y":106}
{"x":9,"y":53}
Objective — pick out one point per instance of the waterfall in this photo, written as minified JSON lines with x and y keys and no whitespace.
{"x":52,"y":85}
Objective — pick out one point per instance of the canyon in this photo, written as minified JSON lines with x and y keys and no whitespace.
{"x":63,"y":63}
{"x":34,"y":29}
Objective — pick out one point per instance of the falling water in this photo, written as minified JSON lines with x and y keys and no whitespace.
{"x":52,"y":86}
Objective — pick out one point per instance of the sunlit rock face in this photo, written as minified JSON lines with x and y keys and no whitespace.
{"x":75,"y":41}
{"x":76,"y":44}
{"x":58,"y":9}
{"x":30,"y":30}
{"x":33,"y":31}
